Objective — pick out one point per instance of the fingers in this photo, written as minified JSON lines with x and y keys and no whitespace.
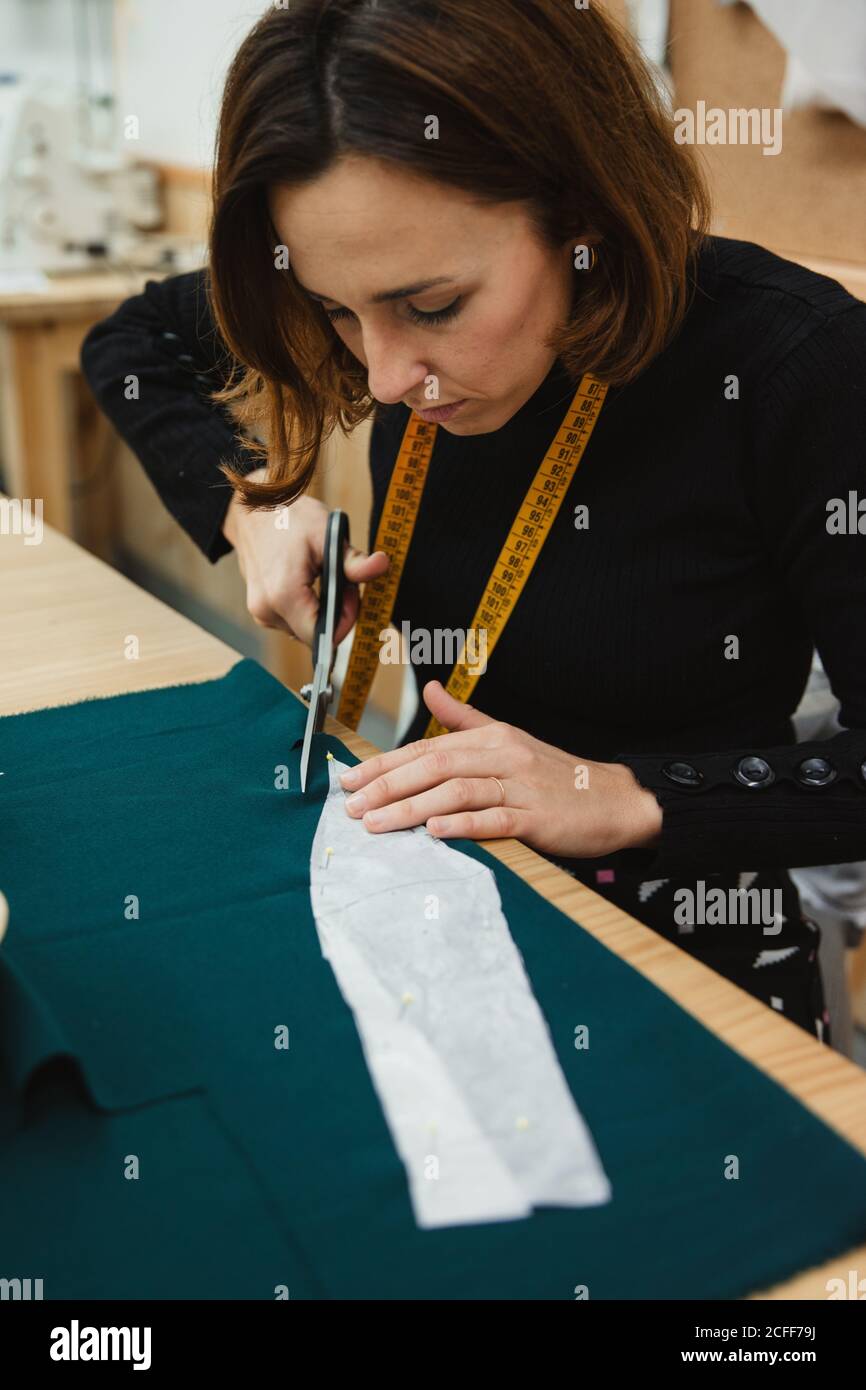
{"x":265,"y":615}
{"x":383,"y":780}
{"x":359,"y":566}
{"x":453,"y":714}
{"x":459,"y":795}
{"x":304,"y":610}
{"x":291,"y":604}
{"x":497,"y":823}
{"x":275,"y":624}
{"x":464,"y":721}
{"x":301,"y":611}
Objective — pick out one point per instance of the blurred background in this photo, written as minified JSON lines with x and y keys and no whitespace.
{"x":107,"y":119}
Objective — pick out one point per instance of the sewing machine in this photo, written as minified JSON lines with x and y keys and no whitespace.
{"x":70,"y":198}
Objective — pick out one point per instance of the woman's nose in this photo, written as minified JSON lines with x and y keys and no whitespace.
{"x":394,"y":372}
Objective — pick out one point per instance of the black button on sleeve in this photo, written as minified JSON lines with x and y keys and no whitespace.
{"x":683,"y":774}
{"x":755,"y":772}
{"x":816,"y":772}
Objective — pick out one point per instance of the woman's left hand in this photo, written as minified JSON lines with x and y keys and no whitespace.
{"x":554,"y":801}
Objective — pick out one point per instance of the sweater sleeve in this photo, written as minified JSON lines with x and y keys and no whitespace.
{"x":805,"y":803}
{"x":151,"y":366}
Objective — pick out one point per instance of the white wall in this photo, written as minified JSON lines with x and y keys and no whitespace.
{"x":172,"y":57}
{"x":36,"y":34}
{"x":170,"y":60}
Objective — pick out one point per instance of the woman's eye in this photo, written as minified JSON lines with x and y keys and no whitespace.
{"x":438,"y":316}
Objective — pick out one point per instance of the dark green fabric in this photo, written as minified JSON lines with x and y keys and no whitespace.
{"x":258,"y":1167}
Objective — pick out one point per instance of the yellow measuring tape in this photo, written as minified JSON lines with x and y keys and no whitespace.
{"x":529,"y":531}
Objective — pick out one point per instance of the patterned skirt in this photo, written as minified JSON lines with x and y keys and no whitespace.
{"x":749,"y":927}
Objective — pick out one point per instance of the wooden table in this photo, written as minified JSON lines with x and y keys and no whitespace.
{"x":64,"y":619}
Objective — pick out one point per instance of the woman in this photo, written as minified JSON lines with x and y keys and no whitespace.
{"x":475,"y":204}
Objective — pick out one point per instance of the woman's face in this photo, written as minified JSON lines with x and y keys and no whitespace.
{"x":366,"y":229}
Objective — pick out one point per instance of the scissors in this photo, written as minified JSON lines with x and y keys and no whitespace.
{"x":332,"y":586}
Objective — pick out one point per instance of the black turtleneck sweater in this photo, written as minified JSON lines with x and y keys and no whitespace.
{"x":708,"y":521}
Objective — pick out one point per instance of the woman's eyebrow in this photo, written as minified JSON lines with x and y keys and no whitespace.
{"x":385,"y":295}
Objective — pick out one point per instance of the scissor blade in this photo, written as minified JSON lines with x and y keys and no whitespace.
{"x":314,"y":720}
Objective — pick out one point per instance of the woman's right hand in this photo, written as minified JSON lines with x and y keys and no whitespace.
{"x":281,"y":562}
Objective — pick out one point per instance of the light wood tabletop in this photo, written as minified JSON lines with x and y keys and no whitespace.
{"x":65,"y":618}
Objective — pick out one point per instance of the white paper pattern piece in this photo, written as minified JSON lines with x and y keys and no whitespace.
{"x":458,"y":1050}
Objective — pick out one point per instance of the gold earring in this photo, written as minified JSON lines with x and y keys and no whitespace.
{"x":594,"y":261}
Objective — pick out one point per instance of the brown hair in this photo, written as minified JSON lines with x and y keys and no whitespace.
{"x":543,"y":104}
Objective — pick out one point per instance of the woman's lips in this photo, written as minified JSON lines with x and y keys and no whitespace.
{"x":440,"y":413}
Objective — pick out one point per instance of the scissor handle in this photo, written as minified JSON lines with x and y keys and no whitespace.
{"x":333,"y":581}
